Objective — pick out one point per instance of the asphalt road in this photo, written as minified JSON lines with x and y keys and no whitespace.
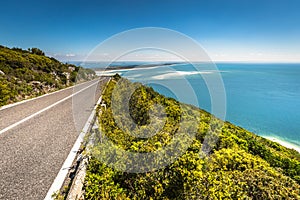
{"x":32,"y":152}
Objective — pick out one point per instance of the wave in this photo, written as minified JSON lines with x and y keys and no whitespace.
{"x":154,"y":73}
{"x":179,"y":74}
{"x":107,"y":73}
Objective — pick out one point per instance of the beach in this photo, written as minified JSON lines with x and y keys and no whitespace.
{"x":283,"y":143}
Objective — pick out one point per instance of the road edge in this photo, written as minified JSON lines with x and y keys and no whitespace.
{"x":63,"y":172}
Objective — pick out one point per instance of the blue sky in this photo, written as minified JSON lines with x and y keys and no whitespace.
{"x":239,"y":30}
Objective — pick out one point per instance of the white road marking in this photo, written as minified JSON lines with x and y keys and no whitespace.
{"x":43,"y":110}
{"x":63,"y":172}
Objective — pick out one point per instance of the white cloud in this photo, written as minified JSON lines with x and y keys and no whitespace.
{"x":70,"y":55}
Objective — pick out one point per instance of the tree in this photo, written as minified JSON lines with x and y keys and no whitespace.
{"x":37,"y":51}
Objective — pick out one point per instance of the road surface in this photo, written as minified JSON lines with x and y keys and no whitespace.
{"x":36,"y":137}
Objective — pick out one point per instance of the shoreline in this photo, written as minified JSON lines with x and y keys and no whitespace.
{"x":133,"y":66}
{"x":283,"y":143}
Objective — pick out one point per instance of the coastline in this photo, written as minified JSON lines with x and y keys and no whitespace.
{"x":120,"y":69}
{"x":283,"y":143}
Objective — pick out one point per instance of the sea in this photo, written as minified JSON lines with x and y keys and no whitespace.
{"x":262,"y":98}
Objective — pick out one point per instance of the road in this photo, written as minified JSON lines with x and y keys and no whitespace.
{"x":36,"y":137}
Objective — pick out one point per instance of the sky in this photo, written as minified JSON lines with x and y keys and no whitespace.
{"x":228,"y":30}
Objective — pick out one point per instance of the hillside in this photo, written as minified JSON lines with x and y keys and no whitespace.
{"x":241,"y":165}
{"x":29,"y":73}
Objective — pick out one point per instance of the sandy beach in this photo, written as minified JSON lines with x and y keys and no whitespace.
{"x":283,"y":143}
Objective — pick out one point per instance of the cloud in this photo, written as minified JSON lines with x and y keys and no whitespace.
{"x":70,"y":55}
{"x":67,"y":56}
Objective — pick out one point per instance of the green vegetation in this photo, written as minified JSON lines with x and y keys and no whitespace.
{"x":241,"y":165}
{"x":29,"y":73}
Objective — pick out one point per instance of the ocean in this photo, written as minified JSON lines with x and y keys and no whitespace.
{"x":262,"y":98}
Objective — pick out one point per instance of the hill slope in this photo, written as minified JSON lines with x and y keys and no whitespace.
{"x":241,"y":165}
{"x":25,"y":74}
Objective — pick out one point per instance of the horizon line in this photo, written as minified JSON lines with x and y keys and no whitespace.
{"x":195,"y":61}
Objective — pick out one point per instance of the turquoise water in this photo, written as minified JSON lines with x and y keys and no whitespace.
{"x":263,"y":98}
